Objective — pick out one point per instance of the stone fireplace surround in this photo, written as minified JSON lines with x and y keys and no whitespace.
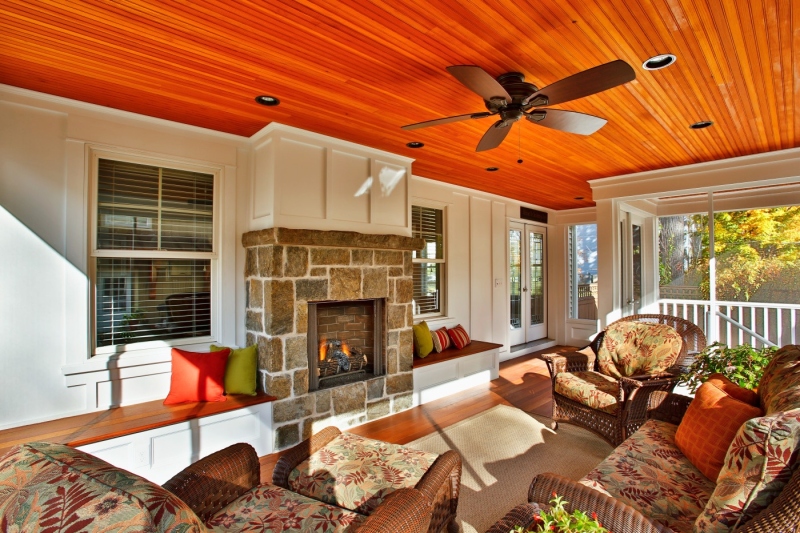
{"x":287,"y":268}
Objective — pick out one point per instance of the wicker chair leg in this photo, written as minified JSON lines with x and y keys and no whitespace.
{"x":453,"y":526}
{"x":554,"y":425}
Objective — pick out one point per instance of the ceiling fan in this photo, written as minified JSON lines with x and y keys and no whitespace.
{"x":512,"y":98}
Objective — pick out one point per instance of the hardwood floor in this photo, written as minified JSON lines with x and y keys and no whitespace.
{"x":523,"y":383}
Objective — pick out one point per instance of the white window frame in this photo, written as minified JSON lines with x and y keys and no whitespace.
{"x":572,"y":286}
{"x":94,"y":253}
{"x":442,"y":313}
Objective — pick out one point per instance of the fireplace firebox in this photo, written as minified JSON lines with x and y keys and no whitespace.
{"x":345,"y":342}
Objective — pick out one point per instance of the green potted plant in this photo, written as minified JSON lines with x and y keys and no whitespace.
{"x":743,"y":364}
{"x":558,"y":520}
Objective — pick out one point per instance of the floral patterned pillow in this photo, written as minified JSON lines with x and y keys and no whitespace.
{"x":759,"y":463}
{"x":779,"y":387}
{"x":633,"y":348}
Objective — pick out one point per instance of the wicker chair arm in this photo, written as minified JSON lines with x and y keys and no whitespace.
{"x":443,"y":475}
{"x":611,"y":513}
{"x":210,"y":484}
{"x":783,"y":514}
{"x":579,"y":361}
{"x":405,"y":510}
{"x":299,"y":453}
{"x":667,"y":406}
{"x":522,"y":515}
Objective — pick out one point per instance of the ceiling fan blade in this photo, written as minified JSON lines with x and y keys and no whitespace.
{"x":569,"y":121}
{"x":493,"y":136}
{"x":585,"y":83}
{"x":479,"y":81}
{"x":446,"y":120}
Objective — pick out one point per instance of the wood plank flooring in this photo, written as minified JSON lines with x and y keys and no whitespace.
{"x":523,"y":383}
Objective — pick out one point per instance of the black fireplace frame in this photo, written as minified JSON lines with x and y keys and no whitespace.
{"x":312,"y":337}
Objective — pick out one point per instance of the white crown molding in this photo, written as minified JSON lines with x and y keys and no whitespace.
{"x":326,"y":140}
{"x":770,"y":168}
{"x":476,"y":192}
{"x":51,"y":102}
{"x":580,"y":215}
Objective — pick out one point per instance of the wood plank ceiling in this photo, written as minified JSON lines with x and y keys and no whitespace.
{"x":360,"y":69}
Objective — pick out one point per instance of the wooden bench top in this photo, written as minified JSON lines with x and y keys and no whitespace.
{"x":94,"y":427}
{"x":450,"y":353}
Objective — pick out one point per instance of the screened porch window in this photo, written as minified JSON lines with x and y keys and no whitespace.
{"x":427,"y":223}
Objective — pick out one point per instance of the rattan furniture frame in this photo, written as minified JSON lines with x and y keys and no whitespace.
{"x":212,"y":483}
{"x":441,"y":484}
{"x":633,"y":392}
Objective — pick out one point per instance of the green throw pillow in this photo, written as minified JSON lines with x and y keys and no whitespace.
{"x":241,"y":370}
{"x":423,"y":339}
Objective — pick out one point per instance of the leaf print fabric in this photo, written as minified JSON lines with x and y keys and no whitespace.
{"x":779,"y":388}
{"x":358,"y":473}
{"x":633,"y":348}
{"x":272,"y":508}
{"x":591,"y":389}
{"x":48,"y":488}
{"x":649,"y":473}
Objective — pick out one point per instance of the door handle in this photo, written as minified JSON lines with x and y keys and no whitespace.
{"x":524,"y":289}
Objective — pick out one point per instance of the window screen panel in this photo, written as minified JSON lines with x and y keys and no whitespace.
{"x":427,"y":223}
{"x":141,"y":300}
{"x":427,"y":288}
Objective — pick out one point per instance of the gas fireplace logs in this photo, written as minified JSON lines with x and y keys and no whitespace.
{"x":337,"y":357}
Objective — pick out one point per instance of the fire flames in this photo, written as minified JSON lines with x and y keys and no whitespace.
{"x":323,"y":349}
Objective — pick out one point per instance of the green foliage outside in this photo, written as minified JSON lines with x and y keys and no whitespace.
{"x":753,"y":248}
{"x":743,"y":364}
{"x":561,"y":521}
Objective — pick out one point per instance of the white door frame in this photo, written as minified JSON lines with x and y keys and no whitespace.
{"x":527,"y":332}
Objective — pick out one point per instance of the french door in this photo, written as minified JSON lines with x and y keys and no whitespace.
{"x":527,"y":282}
{"x":631,"y":231}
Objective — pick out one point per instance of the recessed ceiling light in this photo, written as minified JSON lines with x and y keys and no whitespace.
{"x":267,"y":100}
{"x":415,"y":144}
{"x":700,"y":125}
{"x":579,"y":197}
{"x":659,"y":62}
{"x":492,"y":169}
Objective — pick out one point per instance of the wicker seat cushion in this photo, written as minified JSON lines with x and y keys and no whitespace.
{"x":358,"y":473}
{"x":591,"y":389}
{"x":52,"y":487}
{"x":649,"y":473}
{"x":272,"y":508}
{"x":635,"y":348}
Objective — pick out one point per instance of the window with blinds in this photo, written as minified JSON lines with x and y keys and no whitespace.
{"x":427,"y":223}
{"x":154,"y":241}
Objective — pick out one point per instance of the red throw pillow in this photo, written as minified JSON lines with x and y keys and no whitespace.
{"x":441,"y":341}
{"x":197,"y":377}
{"x":709,"y":426}
{"x":459,"y":336}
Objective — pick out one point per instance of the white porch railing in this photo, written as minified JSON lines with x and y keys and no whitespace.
{"x":741,"y":322}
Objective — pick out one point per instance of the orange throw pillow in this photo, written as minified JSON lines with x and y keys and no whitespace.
{"x":197,"y":377}
{"x":733,"y":390}
{"x":709,"y":426}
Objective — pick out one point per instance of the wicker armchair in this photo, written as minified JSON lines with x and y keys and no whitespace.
{"x":441,"y":483}
{"x":211,"y":484}
{"x":630,"y":407}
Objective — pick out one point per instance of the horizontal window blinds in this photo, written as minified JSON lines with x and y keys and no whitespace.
{"x":427,"y":223}
{"x":142,"y":207}
{"x":427,"y":290}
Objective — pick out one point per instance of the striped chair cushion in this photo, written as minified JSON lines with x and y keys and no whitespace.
{"x":459,"y":336}
{"x":441,"y":341}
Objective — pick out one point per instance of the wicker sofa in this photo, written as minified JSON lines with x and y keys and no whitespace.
{"x":647,"y":485}
{"x":52,"y":487}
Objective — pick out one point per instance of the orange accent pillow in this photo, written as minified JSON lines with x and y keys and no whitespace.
{"x":733,"y":390}
{"x":197,"y":377}
{"x":709,"y":426}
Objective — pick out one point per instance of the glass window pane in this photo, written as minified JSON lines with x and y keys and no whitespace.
{"x":186,"y":232}
{"x":427,"y":223}
{"x":144,"y":299}
{"x":683,"y":257}
{"x":126,"y":229}
{"x":583,"y":271}
{"x":536,"y":251}
{"x":515,"y":277}
{"x":427,"y":288}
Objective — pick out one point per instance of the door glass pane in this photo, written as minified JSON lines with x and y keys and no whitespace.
{"x":583,"y":271}
{"x":536,"y":241}
{"x":515,"y":277}
{"x":636,"y":234}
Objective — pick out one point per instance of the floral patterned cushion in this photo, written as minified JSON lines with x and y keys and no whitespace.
{"x":52,"y":487}
{"x":272,"y":508}
{"x":779,"y":387}
{"x":650,"y":474}
{"x":633,"y":348}
{"x":358,"y":473}
{"x":760,"y":461}
{"x":591,"y":389}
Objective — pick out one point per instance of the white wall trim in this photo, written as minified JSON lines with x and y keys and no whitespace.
{"x":485,"y":195}
{"x":771,"y":168}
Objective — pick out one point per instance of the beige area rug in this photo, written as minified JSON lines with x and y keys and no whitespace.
{"x":502,"y":449}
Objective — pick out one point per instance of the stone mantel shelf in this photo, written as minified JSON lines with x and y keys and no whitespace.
{"x":344,"y":239}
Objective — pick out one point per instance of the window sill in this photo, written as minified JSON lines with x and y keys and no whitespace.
{"x":435,"y":319}
{"x":134,"y":357}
